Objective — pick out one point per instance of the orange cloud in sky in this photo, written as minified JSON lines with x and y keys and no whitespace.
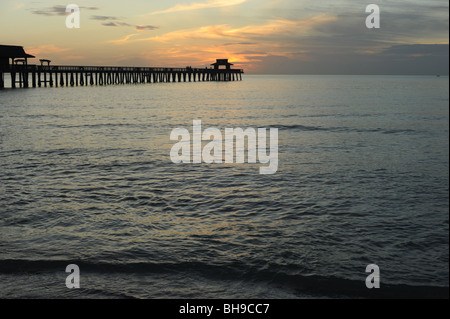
{"x":201,"y":5}
{"x":202,"y":45}
{"x":46,"y":49}
{"x":274,"y":27}
{"x":73,"y":57}
{"x":18,"y":6}
{"x":123,"y":40}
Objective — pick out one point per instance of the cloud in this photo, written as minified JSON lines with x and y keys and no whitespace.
{"x":103,"y":18}
{"x":110,"y":24}
{"x":72,"y":57}
{"x":46,"y":49}
{"x":124,"y":24}
{"x":18,"y":6}
{"x":415,"y":50}
{"x":51,"y":11}
{"x":418,"y":59}
{"x":123,"y":40}
{"x":239,"y":43}
{"x":56,"y":10}
{"x":146,"y":27}
{"x":273,"y":28}
{"x":251,"y":53}
{"x":201,"y":5}
{"x":116,"y":24}
{"x":199,"y":46}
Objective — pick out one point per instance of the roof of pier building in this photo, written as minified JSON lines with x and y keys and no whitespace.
{"x":221,"y":62}
{"x":13,"y":52}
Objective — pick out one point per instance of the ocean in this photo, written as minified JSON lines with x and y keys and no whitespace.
{"x":363,"y":178}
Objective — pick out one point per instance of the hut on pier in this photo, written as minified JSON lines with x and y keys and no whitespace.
{"x":19,"y":62}
{"x":13,"y":52}
{"x":222,"y":62}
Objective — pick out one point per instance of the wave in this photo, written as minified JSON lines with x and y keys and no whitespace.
{"x":342,"y":129}
{"x":312,"y":285}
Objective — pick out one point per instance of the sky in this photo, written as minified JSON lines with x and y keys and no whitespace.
{"x":260,"y":36}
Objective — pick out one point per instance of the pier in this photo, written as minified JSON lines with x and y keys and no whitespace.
{"x":24,"y":75}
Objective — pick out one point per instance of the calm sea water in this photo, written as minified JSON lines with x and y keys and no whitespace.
{"x":86,"y":179}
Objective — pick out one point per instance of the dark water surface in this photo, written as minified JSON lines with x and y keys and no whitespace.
{"x":86,"y":178}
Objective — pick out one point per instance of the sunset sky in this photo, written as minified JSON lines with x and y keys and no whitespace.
{"x":261,"y":36}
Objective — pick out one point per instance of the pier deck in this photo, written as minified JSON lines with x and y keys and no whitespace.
{"x":25,"y":76}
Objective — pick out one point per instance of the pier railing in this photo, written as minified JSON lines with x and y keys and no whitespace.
{"x":63,"y":75}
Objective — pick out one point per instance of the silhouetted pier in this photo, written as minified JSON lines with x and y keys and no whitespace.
{"x":24,"y":75}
